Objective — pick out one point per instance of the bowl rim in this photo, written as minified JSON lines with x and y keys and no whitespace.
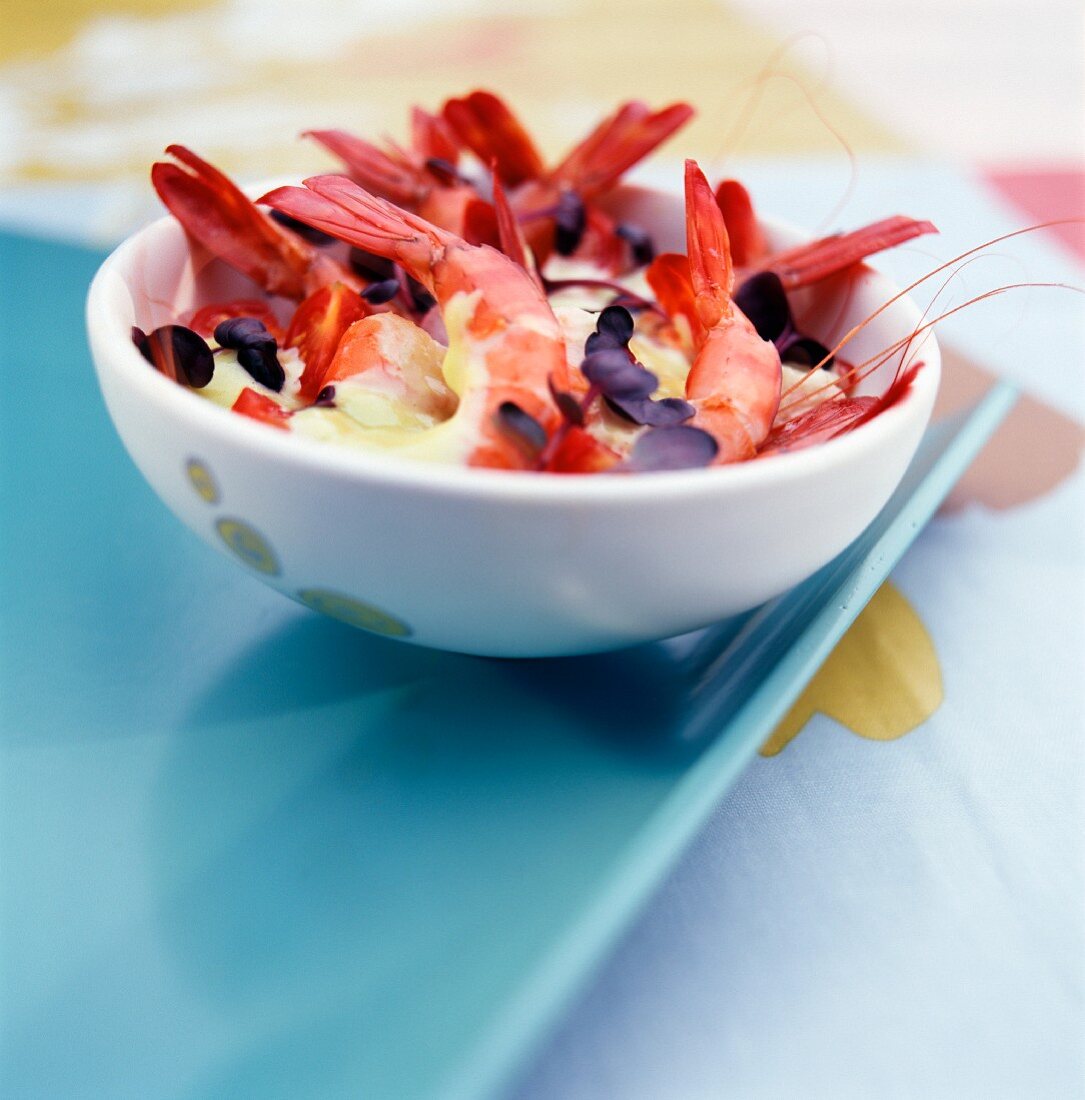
{"x":114,"y":352}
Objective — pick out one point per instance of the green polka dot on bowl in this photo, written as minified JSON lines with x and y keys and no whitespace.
{"x":354,"y":612}
{"x":201,"y":480}
{"x":248,"y":544}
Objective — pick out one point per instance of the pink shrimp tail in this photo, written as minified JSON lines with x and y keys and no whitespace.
{"x":808,"y":263}
{"x":222,"y":218}
{"x":623,"y":139}
{"x":823,"y":422}
{"x":837,"y":417}
{"x":511,"y":235}
{"x":340,"y":207}
{"x":734,"y":381}
{"x":747,"y":240}
{"x":432,"y":137}
{"x":669,"y":277}
{"x":391,"y":177}
{"x":709,"y":249}
{"x":486,"y":125}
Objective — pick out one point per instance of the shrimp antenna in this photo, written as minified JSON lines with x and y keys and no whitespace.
{"x":754,"y":95}
{"x":883,"y":356}
{"x":854,"y":331}
{"x":798,"y":384}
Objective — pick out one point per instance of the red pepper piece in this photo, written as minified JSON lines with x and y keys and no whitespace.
{"x":317,"y":327}
{"x":258,"y":407}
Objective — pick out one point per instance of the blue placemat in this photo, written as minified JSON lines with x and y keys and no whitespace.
{"x":247,"y":851}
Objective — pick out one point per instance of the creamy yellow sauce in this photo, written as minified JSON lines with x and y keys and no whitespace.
{"x":411,"y":408}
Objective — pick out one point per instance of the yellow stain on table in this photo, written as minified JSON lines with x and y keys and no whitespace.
{"x":881,"y":681}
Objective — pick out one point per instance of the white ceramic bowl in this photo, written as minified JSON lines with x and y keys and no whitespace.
{"x":493,"y":562}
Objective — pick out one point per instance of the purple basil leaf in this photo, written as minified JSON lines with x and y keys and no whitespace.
{"x":444,"y":171}
{"x":371,"y":267}
{"x":521,"y":425}
{"x":263,"y":364}
{"x":617,"y":323}
{"x":180,"y":348}
{"x":376,"y":294}
{"x":421,"y":298}
{"x":762,"y":299}
{"x":618,"y":375}
{"x":640,"y":244}
{"x":600,"y":341}
{"x":571,"y":219}
{"x":306,"y":232}
{"x":676,"y":448}
{"x":255,"y":348}
{"x":803,"y":351}
{"x":567,"y":404}
{"x":656,"y":414}
{"x":240,"y":332}
{"x":613,"y":329}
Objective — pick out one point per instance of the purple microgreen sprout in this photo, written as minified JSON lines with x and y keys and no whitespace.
{"x":236,"y":332}
{"x":664,"y":413}
{"x":680,"y":447}
{"x":571,"y":410}
{"x":570,"y":221}
{"x":374,"y":268}
{"x":446,"y":172}
{"x":806,"y":352}
{"x":263,"y":365}
{"x":764,"y":302}
{"x":522,"y":428}
{"x":376,"y":294}
{"x":609,"y":368}
{"x":178,"y":352}
{"x":613,"y":329}
{"x":625,"y":385}
{"x":256,"y":349}
{"x":616,"y":322}
{"x":421,"y":299}
{"x":306,"y":232}
{"x":640,"y":243}
{"x":615,"y":373}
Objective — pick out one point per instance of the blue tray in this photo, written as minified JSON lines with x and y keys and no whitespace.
{"x":250,"y":852}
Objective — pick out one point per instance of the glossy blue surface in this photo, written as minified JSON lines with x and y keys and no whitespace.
{"x":247,"y":851}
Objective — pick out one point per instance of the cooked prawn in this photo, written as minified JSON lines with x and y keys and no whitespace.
{"x":215,"y":211}
{"x":504,"y":341}
{"x":506,"y":390}
{"x":422,"y":179}
{"x":815,"y":260}
{"x":735,"y":380}
{"x":485,"y":124}
{"x":391,"y":356}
